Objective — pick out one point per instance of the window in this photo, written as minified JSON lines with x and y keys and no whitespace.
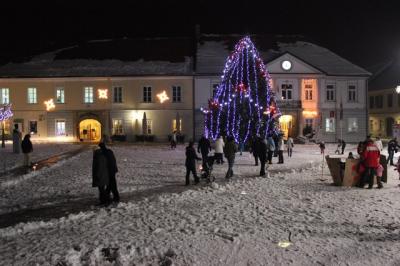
{"x":60,"y":95}
{"x":5,"y":96}
{"x":309,"y":122}
{"x":330,"y":93}
{"x":330,"y":124}
{"x":286,"y":91}
{"x":32,"y":96}
{"x":352,"y":125}
{"x":147,"y":94}
{"x":379,"y":101}
{"x":149,"y":126}
{"x":371,"y":125}
{"x":88,"y":95}
{"x":174,"y":128}
{"x":60,"y":128}
{"x":308,"y":91}
{"x":371,"y":102}
{"x":33,"y":127}
{"x":390,"y":100}
{"x":215,"y":89}
{"x":176,"y":94}
{"x":117,"y":128}
{"x":352,"y":96}
{"x":117,"y":94}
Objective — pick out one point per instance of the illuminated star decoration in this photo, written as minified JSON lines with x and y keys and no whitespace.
{"x":163,"y":96}
{"x":103,"y":93}
{"x":5,"y":112}
{"x":49,"y":104}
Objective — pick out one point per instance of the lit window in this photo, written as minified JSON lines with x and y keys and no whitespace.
{"x":60,"y":128}
{"x":60,"y":98}
{"x":330,"y":93}
{"x":352,"y":125}
{"x":147,"y":94}
{"x":330,"y":124}
{"x":117,"y":128}
{"x":287,"y":91}
{"x":149,"y":126}
{"x":117,"y":94}
{"x":308,"y":91}
{"x":352,"y":95}
{"x":174,"y":128}
{"x":32,"y":96}
{"x":88,"y":95}
{"x":33,"y":127}
{"x":5,"y":95}
{"x":176,"y":94}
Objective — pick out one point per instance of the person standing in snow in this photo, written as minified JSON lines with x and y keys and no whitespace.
{"x":378,"y":143}
{"x":17,"y":136}
{"x":204,"y":147}
{"x":173,"y":140}
{"x":219,"y":150}
{"x":254,"y":149}
{"x":281,"y":146}
{"x":392,"y":149}
{"x":322,"y":147}
{"x":370,"y":159}
{"x":261,"y":150}
{"x":343,"y":145}
{"x":104,"y":168}
{"x":289,"y":146}
{"x":27,"y":149}
{"x":190,"y":163}
{"x":229,"y":150}
{"x":271,"y":148}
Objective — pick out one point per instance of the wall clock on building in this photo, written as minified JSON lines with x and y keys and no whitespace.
{"x":286,"y":65}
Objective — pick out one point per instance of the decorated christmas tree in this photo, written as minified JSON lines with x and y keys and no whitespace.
{"x":243,"y":105}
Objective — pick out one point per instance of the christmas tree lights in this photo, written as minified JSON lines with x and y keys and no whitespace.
{"x":243,"y":105}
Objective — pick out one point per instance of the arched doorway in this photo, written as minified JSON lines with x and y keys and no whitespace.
{"x":285,"y":124}
{"x":89,"y":130}
{"x":389,"y":126}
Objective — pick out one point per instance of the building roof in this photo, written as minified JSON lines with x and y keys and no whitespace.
{"x":114,"y":57}
{"x":388,"y":77}
{"x":214,"y":49}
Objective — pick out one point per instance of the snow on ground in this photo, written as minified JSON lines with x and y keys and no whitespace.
{"x":41,"y":150}
{"x":239,"y":223}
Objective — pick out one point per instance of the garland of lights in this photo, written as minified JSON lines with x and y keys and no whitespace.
{"x":243,"y":104}
{"x":5,"y":113}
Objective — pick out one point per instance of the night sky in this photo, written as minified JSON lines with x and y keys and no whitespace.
{"x":365,"y":32}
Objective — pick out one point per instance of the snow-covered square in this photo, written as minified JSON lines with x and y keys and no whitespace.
{"x":293,"y":217}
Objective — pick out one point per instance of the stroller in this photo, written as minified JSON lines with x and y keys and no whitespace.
{"x":206,"y":169}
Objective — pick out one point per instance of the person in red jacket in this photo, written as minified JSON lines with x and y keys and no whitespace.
{"x":370,"y":158}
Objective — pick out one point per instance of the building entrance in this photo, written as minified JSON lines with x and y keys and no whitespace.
{"x":89,"y":130}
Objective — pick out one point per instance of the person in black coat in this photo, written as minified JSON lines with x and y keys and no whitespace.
{"x":104,"y":169}
{"x":343,"y":146}
{"x":262,"y":150}
{"x":27,"y":149}
{"x":204,"y":147}
{"x":190,"y":163}
{"x":392,"y":149}
{"x":254,"y":144}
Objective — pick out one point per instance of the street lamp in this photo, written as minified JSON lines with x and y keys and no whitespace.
{"x":398,"y":89}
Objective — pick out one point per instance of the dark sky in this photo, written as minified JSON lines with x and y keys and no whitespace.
{"x":365,"y":32}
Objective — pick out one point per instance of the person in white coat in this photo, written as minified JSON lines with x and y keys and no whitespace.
{"x":378,"y":143}
{"x":219,"y":150}
{"x":281,"y":147}
{"x":289,"y":146}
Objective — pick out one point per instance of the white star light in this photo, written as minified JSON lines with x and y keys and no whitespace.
{"x":163,"y":96}
{"x":103,"y":93}
{"x":49,"y":104}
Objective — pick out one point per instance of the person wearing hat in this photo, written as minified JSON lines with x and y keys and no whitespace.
{"x":104,"y":169}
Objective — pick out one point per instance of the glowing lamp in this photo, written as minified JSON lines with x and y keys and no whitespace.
{"x":6,"y":113}
{"x":103,"y":93}
{"x":398,"y":89}
{"x":49,"y":105}
{"x":310,"y":113}
{"x":163,"y":96}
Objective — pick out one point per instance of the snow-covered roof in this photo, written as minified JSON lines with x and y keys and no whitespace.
{"x":214,"y":49}
{"x":120,"y":57}
{"x":386,"y":78}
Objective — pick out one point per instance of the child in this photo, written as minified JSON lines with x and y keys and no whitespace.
{"x":322,"y":147}
{"x":379,"y":173}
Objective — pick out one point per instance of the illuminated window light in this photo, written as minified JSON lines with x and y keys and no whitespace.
{"x":310,"y":113}
{"x":103,"y":93}
{"x":49,"y":105}
{"x":163,"y":96}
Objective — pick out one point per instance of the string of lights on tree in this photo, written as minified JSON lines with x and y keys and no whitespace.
{"x":243,"y":105}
